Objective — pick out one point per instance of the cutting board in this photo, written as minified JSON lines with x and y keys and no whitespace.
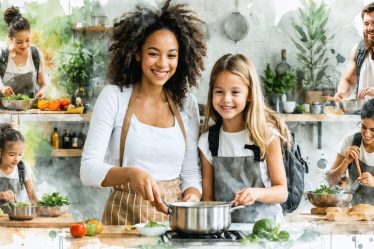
{"x":62,"y":221}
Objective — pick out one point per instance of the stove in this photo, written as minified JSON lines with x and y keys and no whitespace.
{"x":227,"y":238}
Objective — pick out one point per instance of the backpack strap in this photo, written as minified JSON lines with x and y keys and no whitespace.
{"x":256,"y":151}
{"x":213,"y":139}
{"x":36,"y":59}
{"x":359,"y":59}
{"x":21,"y":173}
{"x":357,"y":138}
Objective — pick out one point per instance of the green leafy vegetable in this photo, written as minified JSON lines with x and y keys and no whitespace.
{"x":325,"y":190}
{"x":54,"y":199}
{"x":17,"y":97}
{"x":23,"y":204}
{"x":154,"y":224}
{"x":266,"y":229}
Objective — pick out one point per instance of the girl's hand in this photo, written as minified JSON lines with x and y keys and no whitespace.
{"x":7,"y":91}
{"x":39,"y":93}
{"x":366,"y":91}
{"x":8,"y":196}
{"x":246,"y":196}
{"x":367,"y":179}
{"x":191,"y":194}
{"x":352,"y":153}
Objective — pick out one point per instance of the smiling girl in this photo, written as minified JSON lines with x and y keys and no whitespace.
{"x":11,"y":184}
{"x":357,"y":146}
{"x":21,"y":65}
{"x":245,"y":129}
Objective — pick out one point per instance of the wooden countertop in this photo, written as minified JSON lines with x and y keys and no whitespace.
{"x":62,"y":221}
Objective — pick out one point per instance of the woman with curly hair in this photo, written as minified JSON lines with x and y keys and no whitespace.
{"x":143,"y":134}
{"x":21,"y":65}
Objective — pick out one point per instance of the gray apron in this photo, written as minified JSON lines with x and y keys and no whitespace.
{"x":231,"y":174}
{"x":9,"y":184}
{"x":21,"y":83}
{"x":363,"y":194}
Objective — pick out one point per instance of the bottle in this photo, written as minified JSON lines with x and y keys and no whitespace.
{"x":65,"y":140}
{"x":282,"y":67}
{"x":81,"y":140}
{"x":55,"y":139}
{"x":74,"y":141}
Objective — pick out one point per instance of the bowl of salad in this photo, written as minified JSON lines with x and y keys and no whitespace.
{"x":22,"y":211}
{"x":17,"y":102}
{"x":325,"y":196}
{"x":151,"y":228}
{"x":53,"y":205}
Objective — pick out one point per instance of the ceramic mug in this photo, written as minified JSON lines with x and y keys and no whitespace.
{"x":289,"y":106}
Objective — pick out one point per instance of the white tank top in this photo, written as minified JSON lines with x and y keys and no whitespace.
{"x":158,"y":151}
{"x":366,"y":75}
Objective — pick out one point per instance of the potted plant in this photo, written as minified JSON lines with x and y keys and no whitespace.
{"x":76,"y":73}
{"x":276,"y":86}
{"x":310,"y":40}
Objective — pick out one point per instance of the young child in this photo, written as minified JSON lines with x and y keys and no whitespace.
{"x":227,"y":149}
{"x":11,"y":149}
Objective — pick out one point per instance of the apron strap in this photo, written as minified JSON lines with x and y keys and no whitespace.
{"x":130,"y":111}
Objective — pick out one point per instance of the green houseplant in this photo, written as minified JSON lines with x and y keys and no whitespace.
{"x":311,"y":37}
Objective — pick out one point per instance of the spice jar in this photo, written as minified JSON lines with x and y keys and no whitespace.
{"x":316,"y":108}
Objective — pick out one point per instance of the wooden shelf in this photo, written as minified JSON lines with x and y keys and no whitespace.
{"x":36,"y":115}
{"x":66,"y":153}
{"x":319,"y":118}
{"x":92,"y":28}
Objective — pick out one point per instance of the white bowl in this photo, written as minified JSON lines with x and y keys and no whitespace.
{"x":150,"y":231}
{"x":289,"y":106}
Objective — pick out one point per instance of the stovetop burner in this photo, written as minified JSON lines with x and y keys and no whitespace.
{"x":227,"y":236}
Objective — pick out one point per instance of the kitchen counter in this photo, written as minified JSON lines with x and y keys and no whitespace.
{"x":307,"y":234}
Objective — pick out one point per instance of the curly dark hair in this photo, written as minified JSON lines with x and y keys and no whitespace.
{"x":367,"y":110}
{"x":15,"y":21}
{"x":8,"y":134}
{"x":129,"y":35}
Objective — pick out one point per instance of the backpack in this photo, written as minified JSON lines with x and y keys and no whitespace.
{"x":295,"y":167}
{"x":21,"y":173}
{"x":359,"y":59}
{"x":4,"y":60}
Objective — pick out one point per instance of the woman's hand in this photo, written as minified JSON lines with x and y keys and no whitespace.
{"x":40,"y":93}
{"x":367,"y":179}
{"x":7,"y":91}
{"x":8,"y":196}
{"x":246,"y":196}
{"x":366,"y":91}
{"x":143,"y":183}
{"x":352,"y":153}
{"x":191,"y":194}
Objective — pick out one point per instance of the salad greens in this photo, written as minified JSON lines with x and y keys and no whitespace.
{"x":17,"y":97}
{"x":23,"y":204}
{"x":266,"y":229}
{"x":54,"y":199}
{"x":153,"y":224}
{"x":325,"y":190}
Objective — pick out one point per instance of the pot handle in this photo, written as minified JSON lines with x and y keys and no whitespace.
{"x":234,"y":208}
{"x":170,"y":209}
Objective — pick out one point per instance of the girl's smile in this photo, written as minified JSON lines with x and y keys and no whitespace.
{"x":11,"y":156}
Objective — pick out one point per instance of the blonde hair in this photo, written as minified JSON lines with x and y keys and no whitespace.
{"x":257,"y":115}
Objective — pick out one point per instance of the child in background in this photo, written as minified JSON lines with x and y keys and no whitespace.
{"x":11,"y":150}
{"x":227,"y":149}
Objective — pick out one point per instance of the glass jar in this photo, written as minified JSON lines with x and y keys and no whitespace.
{"x":316,"y":108}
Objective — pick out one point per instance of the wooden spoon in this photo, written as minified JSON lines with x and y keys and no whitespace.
{"x":358,"y":167}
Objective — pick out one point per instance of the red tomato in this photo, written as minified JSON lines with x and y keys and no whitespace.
{"x":64,"y":103}
{"x":78,"y":230}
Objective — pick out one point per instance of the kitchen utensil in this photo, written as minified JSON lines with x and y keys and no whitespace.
{"x":53,"y":211}
{"x":357,"y":162}
{"x":17,"y":105}
{"x":236,"y":25}
{"x":330,"y":200}
{"x":352,"y":106}
{"x":354,"y":187}
{"x":206,"y":217}
{"x":150,"y":231}
{"x":21,"y":213}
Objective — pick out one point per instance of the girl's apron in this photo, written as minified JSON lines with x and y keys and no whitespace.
{"x":21,"y":83}
{"x":124,"y":206}
{"x":9,"y":184}
{"x":363,"y":194}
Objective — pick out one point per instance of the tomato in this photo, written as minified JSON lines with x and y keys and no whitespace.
{"x":42,"y":104}
{"x":54,"y":105}
{"x":91,"y":229}
{"x":98,"y":225}
{"x":64,"y":103}
{"x":78,"y":230}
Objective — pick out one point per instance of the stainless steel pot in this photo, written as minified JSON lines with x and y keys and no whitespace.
{"x":21,"y":213}
{"x":200,"y":217}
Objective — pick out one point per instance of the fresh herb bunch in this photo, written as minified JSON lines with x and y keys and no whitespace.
{"x":17,"y":97}
{"x":152,"y":223}
{"x":266,"y":229}
{"x":280,"y":84}
{"x":325,"y":190}
{"x":54,"y":199}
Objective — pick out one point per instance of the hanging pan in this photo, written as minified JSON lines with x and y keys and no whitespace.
{"x":236,"y":26}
